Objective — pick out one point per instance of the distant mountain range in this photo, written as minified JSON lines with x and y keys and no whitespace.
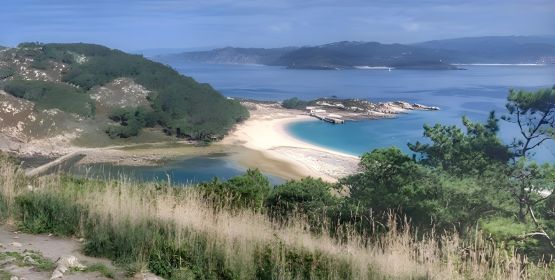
{"x":506,"y":49}
{"x":438,"y":54}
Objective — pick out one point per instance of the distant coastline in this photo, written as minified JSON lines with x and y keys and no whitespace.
{"x":500,"y":64}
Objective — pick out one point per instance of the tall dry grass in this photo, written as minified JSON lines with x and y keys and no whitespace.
{"x":239,"y":235}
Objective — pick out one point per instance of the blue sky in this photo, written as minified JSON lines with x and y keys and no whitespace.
{"x":141,"y":24}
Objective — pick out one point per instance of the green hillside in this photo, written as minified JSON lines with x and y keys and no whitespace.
{"x":178,"y":104}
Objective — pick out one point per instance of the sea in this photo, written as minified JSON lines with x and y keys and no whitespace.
{"x":472,"y":92}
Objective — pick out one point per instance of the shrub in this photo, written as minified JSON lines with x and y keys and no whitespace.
{"x":294,"y":103}
{"x":131,"y":121}
{"x":49,"y":95}
{"x":309,"y":197}
{"x":244,"y":191}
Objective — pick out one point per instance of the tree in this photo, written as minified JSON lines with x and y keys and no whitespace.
{"x":534,"y":113}
{"x":390,"y":180}
{"x":131,"y":121}
{"x":462,"y":153}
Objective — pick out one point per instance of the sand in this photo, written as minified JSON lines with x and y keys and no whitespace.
{"x":265,"y":131}
{"x":261,"y":142}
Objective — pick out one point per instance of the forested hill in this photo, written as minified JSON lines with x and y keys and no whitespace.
{"x":230,"y":56}
{"x":125,"y":92}
{"x":354,"y":54}
{"x":340,"y":55}
{"x":496,"y":49}
{"x":439,"y":54}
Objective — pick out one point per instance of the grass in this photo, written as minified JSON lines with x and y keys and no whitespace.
{"x":177,"y":234}
{"x":102,"y":269}
{"x":4,"y":275}
{"x":28,"y":258}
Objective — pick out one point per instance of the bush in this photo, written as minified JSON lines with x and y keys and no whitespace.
{"x":6,"y":72}
{"x":131,"y":121}
{"x":49,"y":95}
{"x":294,"y":103}
{"x":309,"y":197}
{"x":244,"y":191}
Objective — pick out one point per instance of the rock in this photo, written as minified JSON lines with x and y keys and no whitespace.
{"x":29,"y":260}
{"x":15,"y":278}
{"x":16,"y":244}
{"x":64,"y":264}
{"x":57,"y":274}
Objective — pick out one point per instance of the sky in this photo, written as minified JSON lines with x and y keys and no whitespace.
{"x":141,"y":24}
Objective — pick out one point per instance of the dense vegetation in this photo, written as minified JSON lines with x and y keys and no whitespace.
{"x":49,"y":95}
{"x":131,"y":121}
{"x":295,"y":103}
{"x":6,"y":72}
{"x":179,"y":104}
{"x":475,"y":207}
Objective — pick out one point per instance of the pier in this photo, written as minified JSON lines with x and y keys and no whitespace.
{"x":328,"y":119}
{"x":55,"y":165}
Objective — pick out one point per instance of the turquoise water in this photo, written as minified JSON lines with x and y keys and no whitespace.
{"x":473,"y":92}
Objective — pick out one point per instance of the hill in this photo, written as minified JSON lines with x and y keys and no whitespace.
{"x":352,"y":54}
{"x":497,"y":49}
{"x":439,"y":54}
{"x":340,"y":55}
{"x":96,"y":88}
{"x":230,"y":55}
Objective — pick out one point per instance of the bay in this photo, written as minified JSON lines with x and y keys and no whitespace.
{"x":473,"y":92}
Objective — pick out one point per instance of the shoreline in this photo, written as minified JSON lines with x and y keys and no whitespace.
{"x":266,"y":132}
{"x":261,"y":142}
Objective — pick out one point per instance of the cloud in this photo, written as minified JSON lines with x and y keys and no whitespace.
{"x":411,"y":26}
{"x":133,"y":24}
{"x":280,"y":27}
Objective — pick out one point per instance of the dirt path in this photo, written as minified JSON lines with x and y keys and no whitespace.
{"x":51,"y":248}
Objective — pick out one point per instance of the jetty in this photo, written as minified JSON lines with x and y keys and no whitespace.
{"x":55,"y":165}
{"x":328,"y":118}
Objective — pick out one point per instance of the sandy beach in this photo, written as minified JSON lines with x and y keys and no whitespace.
{"x":265,"y":132}
{"x":261,"y":142}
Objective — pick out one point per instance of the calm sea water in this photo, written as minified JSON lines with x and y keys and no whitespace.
{"x":473,"y":92}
